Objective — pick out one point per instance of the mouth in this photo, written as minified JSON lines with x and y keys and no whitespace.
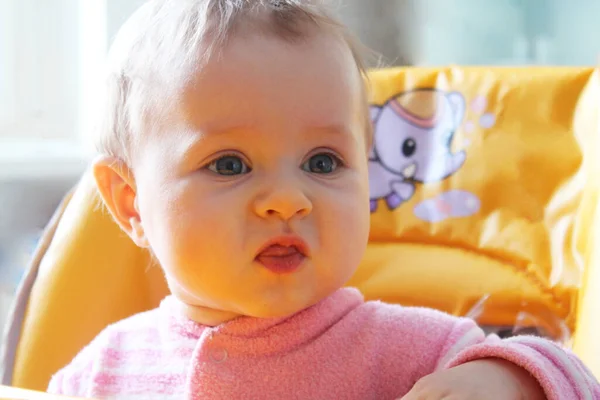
{"x":283,"y":254}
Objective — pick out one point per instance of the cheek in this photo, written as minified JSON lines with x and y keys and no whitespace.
{"x":346,"y":218}
{"x":157,"y":219}
{"x":199,"y":226}
{"x":167,"y":218}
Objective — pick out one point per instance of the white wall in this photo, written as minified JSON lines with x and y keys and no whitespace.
{"x":7,"y":67}
{"x":117,"y":12}
{"x":40,"y":81}
{"x":470,"y":31}
{"x":393,"y":29}
{"x":40,"y":68}
{"x":576,"y":32}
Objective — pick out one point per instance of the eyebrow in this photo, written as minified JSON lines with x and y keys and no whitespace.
{"x":334,"y":129}
{"x":192,"y":143}
{"x":338,"y":132}
{"x":217,"y":129}
{"x":224,"y":129}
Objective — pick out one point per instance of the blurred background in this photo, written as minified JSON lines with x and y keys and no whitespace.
{"x":51,"y":53}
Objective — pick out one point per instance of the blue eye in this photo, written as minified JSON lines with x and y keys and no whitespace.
{"x":322,"y":163}
{"x":229,"y":165}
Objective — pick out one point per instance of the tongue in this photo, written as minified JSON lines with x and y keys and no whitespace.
{"x":278,"y":251}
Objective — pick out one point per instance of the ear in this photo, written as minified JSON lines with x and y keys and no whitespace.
{"x":458,"y":104}
{"x":116,"y":185}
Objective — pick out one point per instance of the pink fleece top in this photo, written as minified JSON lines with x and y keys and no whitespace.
{"x":341,"y":348}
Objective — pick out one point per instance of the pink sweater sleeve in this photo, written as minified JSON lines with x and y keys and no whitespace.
{"x":75,"y":379}
{"x":561,"y":374}
{"x":71,"y":381}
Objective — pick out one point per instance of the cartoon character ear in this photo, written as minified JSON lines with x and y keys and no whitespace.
{"x":372,"y":155}
{"x":458,"y":104}
{"x":374,"y":111}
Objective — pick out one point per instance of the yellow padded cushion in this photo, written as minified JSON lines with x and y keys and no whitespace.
{"x":504,"y":206}
{"x":523,"y":133}
{"x":513,"y":220}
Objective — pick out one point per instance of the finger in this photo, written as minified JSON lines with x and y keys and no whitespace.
{"x":412,"y":395}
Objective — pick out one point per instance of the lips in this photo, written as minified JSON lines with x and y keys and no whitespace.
{"x":278,"y":250}
{"x":283,"y":255}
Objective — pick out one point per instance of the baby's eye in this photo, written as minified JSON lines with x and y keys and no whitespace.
{"x":229,"y":165}
{"x":322,"y":163}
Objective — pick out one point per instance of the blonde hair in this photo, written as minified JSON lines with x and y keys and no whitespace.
{"x":165,"y":41}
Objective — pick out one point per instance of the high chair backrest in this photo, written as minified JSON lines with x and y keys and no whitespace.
{"x":484,"y":195}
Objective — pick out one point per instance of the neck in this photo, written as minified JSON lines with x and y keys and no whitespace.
{"x":207,"y":316}
{"x":192,"y":309}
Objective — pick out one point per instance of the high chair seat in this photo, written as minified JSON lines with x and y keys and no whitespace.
{"x":484,"y":200}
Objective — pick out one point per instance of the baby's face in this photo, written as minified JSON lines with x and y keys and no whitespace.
{"x":255,"y":201}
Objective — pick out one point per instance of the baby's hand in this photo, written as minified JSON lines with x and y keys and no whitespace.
{"x":478,"y":380}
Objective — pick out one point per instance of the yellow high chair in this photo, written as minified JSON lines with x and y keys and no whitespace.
{"x":484,"y":200}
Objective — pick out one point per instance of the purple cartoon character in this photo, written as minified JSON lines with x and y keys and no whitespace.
{"x":412,"y":140}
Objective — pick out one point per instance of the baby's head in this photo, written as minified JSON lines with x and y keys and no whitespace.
{"x":234,"y":147}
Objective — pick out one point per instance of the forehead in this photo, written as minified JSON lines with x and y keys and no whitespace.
{"x":257,"y":77}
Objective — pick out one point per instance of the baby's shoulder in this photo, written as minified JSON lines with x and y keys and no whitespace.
{"x":105,"y":351}
{"x":385,"y":317}
{"x":137,"y":330}
{"x":401,"y":332}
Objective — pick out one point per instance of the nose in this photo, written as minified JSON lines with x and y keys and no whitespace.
{"x":284,"y":199}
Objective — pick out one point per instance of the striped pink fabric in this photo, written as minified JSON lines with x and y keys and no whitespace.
{"x":342,"y":348}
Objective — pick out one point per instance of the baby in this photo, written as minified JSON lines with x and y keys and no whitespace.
{"x":234,"y":148}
